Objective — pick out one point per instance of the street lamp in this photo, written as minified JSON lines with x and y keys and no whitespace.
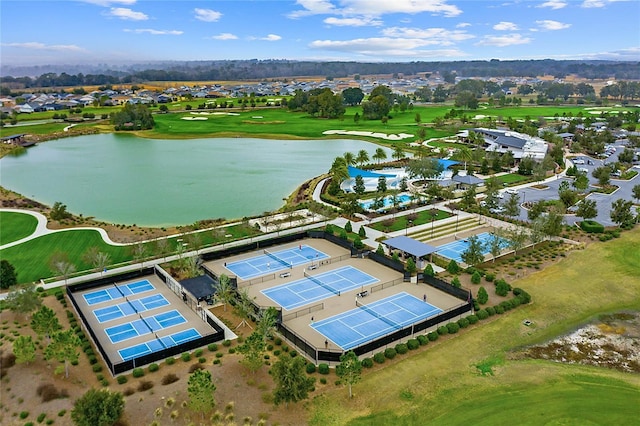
{"x":407,"y":225}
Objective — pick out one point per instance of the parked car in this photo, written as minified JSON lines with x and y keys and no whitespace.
{"x":578,"y":161}
{"x":511,"y":191}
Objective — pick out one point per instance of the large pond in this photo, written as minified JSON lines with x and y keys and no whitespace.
{"x":130,"y":180}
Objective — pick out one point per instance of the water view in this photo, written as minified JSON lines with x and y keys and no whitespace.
{"x":130,"y":180}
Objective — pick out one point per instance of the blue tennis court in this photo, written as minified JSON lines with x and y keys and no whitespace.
{"x":319,"y":286}
{"x":274,"y":261}
{"x":117,"y":291}
{"x":454,"y":249}
{"x":158,"y":344}
{"x":368,"y":322}
{"x":130,"y":307}
{"x":144,"y":326}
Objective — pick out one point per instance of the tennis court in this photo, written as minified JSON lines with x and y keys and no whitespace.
{"x":130,"y":307}
{"x":117,"y":291}
{"x":454,"y":249}
{"x":144,"y":326}
{"x":368,"y":322}
{"x":318,"y":286}
{"x":274,"y":261}
{"x":158,"y":344}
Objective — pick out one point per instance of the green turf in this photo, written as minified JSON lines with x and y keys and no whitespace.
{"x":14,"y":226}
{"x":400,"y":222}
{"x":513,"y":178}
{"x":445,"y":382}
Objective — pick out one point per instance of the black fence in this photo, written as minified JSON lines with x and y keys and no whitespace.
{"x":444,"y":286}
{"x":396,"y":265}
{"x":332,"y":238}
{"x":253,"y":245}
{"x":121,"y":367}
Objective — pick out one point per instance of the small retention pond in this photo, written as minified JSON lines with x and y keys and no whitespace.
{"x":130,"y":180}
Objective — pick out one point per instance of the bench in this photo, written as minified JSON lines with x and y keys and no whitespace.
{"x":312,"y":267}
{"x":285,"y":274}
{"x":363,"y":293}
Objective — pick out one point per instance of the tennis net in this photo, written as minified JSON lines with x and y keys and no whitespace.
{"x":377,"y":315}
{"x":273,"y":256}
{"x":321,"y":284}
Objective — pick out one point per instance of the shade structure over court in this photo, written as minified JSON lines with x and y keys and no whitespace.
{"x":410,"y":246}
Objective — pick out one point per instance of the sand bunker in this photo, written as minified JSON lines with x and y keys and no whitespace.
{"x":391,"y":137}
{"x":195,"y":118}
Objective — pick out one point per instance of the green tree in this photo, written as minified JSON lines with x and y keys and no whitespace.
{"x":348,"y":227}
{"x":267,"y":322}
{"x":587,"y":209}
{"x":253,"y":349}
{"x":362,"y":233}
{"x":292,"y":383}
{"x":45,"y":322}
{"x":581,"y":182}
{"x":24,"y":349}
{"x":483,"y":296}
{"x":63,"y":348}
{"x":466,"y":99}
{"x":362,"y":157}
{"x":200,"y":389}
{"x":495,"y":244}
{"x":428,"y":270}
{"x":224,"y":291}
{"x":139,"y":253}
{"x":474,"y":252}
{"x":380,"y":250}
{"x":8,"y":277}
{"x":24,"y":299}
{"x":349,"y":370}
{"x":512,"y":205}
{"x":59,"y":211}
{"x":603,"y":174}
{"x":464,"y":154}
{"x":635,"y":192}
{"x":99,"y":260}
{"x":352,"y":96}
{"x":133,"y":117}
{"x":349,"y":158}
{"x":398,"y":153}
{"x":516,"y":238}
{"x":536,"y":209}
{"x":411,"y":266}
{"x":379,"y":155}
{"x":425,"y":168}
{"x":453,"y":267}
{"x":382,"y":184}
{"x":98,"y":408}
{"x":621,"y":212}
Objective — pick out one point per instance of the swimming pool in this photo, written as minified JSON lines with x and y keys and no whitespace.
{"x":387,"y":202}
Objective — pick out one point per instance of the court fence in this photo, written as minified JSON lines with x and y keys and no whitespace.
{"x":396,"y":265}
{"x":257,"y":280}
{"x":116,"y":367}
{"x":300,"y":312}
{"x":444,"y":286}
{"x":388,"y":284}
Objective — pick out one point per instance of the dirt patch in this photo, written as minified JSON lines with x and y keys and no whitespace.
{"x":241,"y":397}
{"x":613,"y":342}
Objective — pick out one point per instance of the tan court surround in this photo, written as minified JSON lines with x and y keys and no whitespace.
{"x":335,"y":304}
{"x":175,"y":303}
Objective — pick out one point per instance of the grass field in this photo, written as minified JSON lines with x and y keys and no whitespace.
{"x":14,"y":226}
{"x":442,"y":386}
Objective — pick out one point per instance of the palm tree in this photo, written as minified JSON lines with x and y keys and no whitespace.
{"x":379,"y":155}
{"x":362,"y":157}
{"x":398,"y":153}
{"x":349,"y":158}
{"x":464,"y":154}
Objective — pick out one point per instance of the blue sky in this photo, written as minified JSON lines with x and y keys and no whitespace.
{"x":126,"y":31}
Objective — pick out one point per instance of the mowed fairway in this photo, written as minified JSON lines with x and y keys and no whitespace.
{"x":15,"y":226}
{"x":442,"y":386}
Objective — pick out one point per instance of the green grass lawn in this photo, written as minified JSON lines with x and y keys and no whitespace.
{"x":442,"y":386}
{"x":14,"y":226}
{"x":513,"y":178}
{"x":400,"y":222}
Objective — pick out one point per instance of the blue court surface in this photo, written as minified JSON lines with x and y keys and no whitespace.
{"x":118,"y":291}
{"x":144,"y":326}
{"x":454,"y":249}
{"x":320,"y":286}
{"x":364,"y":324}
{"x":274,"y":261}
{"x":158,"y":344}
{"x":130,"y":307}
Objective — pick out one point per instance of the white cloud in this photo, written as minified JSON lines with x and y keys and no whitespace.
{"x":270,"y":37}
{"x":384,"y":46}
{"x":154,"y":32}
{"x":374,"y":7}
{"x":552,"y":25}
{"x":225,"y":36}
{"x":35,"y":45}
{"x":353,"y":22}
{"x":504,"y":40}
{"x":463,"y":25}
{"x":505,"y":26}
{"x":428,"y":36}
{"x":207,"y":15}
{"x":593,"y":3}
{"x":127,"y":14}
{"x":553,"y":4}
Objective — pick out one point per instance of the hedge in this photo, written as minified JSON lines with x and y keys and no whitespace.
{"x":463,"y":323}
{"x":367,"y":363}
{"x":453,"y":327}
{"x":472,"y":319}
{"x":442,"y":330}
{"x":422,"y":340}
{"x":433,"y":336}
{"x":402,"y":348}
{"x":491,"y":310}
{"x":413,"y":344}
{"x":323,"y":368}
{"x":592,"y":227}
{"x":311,"y":368}
{"x":390,"y":353}
{"x":379,"y":358}
{"x":482,"y":314}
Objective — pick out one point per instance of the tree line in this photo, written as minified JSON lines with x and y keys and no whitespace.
{"x":272,"y":69}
